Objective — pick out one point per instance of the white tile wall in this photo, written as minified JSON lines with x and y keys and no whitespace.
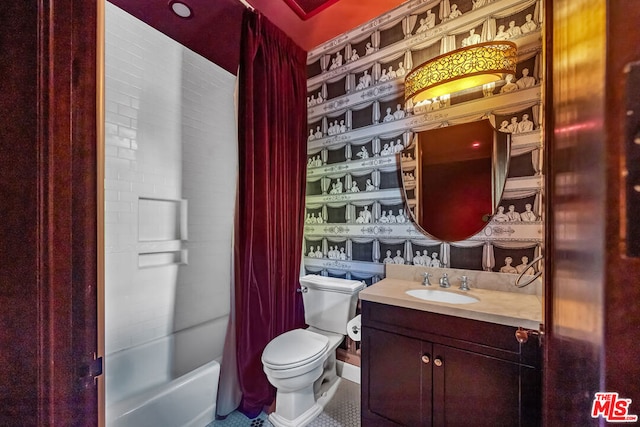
{"x":170,"y":134}
{"x":209,"y":170}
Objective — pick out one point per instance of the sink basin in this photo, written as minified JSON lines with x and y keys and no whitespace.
{"x":441,"y":296}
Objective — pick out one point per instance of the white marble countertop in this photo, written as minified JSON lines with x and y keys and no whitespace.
{"x":505,"y":308}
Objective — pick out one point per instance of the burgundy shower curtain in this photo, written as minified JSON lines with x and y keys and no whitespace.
{"x":271,"y":187}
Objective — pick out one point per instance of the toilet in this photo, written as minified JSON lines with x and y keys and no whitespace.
{"x":301,"y":364}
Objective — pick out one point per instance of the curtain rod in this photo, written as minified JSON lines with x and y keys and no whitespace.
{"x":247,"y":5}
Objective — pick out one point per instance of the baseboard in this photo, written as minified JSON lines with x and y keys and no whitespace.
{"x":348,"y":371}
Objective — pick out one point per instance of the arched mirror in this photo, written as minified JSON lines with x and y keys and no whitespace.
{"x":454,"y":177}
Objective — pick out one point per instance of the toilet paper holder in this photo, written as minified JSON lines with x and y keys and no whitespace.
{"x":353,"y":328}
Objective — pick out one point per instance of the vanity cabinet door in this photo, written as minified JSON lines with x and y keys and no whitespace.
{"x":412,"y":376}
{"x":474,"y":389}
{"x":398,"y":379}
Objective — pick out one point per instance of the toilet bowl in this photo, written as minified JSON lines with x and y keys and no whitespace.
{"x":293,"y":362}
{"x":301,"y":364}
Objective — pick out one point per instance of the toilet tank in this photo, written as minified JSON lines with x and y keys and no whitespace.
{"x":329,"y":302}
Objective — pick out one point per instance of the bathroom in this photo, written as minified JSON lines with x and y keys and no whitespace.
{"x":364,"y":252}
{"x":153,"y":258}
{"x":169,"y":205}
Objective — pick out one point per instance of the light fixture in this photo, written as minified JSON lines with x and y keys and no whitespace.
{"x":461,"y":69}
{"x":181,"y":9}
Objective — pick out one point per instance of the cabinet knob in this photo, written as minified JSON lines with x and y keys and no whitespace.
{"x":425,"y":359}
{"x":522,"y":335}
{"x":438,"y":362}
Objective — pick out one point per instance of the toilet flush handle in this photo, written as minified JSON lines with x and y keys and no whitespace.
{"x":302,"y":289}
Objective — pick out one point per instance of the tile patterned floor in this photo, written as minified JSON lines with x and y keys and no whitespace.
{"x":342,"y":411}
{"x":236,"y":419}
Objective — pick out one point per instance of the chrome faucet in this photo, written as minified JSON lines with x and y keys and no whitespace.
{"x":464,"y":283}
{"x":426,"y":281}
{"x":444,"y":281}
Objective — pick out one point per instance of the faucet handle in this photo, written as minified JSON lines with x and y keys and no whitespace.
{"x":426,"y":281}
{"x":464,"y":283}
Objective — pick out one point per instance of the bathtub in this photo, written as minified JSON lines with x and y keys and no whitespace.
{"x":186,"y":401}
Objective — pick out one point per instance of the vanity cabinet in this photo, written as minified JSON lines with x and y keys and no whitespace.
{"x":423,"y":369}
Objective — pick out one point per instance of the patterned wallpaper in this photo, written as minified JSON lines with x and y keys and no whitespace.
{"x":357,"y":218}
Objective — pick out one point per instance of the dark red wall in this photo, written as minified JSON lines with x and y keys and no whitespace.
{"x":455,"y":179}
{"x":213,"y":31}
{"x":460,"y":194}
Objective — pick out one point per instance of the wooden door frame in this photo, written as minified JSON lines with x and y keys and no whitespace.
{"x":622,"y":278}
{"x":48,"y":194}
{"x":48,"y":232}
{"x":592,"y":314}
{"x":67,"y":228}
{"x":576,"y":186}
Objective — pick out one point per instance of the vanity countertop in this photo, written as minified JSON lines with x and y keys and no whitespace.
{"x":505,"y":308}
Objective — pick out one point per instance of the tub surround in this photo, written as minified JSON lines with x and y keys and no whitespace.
{"x":169,"y":133}
{"x":499,"y":301}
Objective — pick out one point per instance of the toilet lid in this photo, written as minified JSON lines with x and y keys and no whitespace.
{"x":294,"y":348}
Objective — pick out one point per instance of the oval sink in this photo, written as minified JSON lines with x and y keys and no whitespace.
{"x":441,"y":296}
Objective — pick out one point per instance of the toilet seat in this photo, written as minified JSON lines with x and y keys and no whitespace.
{"x":295,"y":348}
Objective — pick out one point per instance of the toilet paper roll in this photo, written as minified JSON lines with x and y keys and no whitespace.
{"x":353,"y":328}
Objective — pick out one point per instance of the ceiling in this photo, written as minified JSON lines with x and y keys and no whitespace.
{"x":213,"y":30}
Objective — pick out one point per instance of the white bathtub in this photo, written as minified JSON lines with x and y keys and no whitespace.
{"x":187,"y":401}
